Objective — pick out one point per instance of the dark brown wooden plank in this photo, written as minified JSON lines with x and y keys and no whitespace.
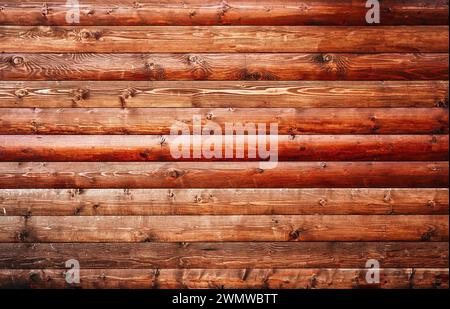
{"x":226,"y":278}
{"x":230,"y":12}
{"x":225,"y":39}
{"x":223,"y":175}
{"x":224,"y":255}
{"x":120,"y":148}
{"x":224,"y":228}
{"x":290,"y":121}
{"x":254,"y":66}
{"x":224,"y":94}
{"x":107,"y":202}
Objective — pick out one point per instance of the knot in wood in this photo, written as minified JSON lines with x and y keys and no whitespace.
{"x":313,"y":281}
{"x":326,"y":58}
{"x":193,"y":59}
{"x":126,"y":94}
{"x":33,"y":276}
{"x":16,"y":60}
{"x":431,"y":203}
{"x":442,"y":103}
{"x":259,"y":170}
{"x":294,"y":235}
{"x":434,"y":139}
{"x":129,"y":92}
{"x":85,"y":34}
{"x":224,"y":7}
{"x":210,"y":116}
{"x":45,"y":10}
{"x":254,"y":76}
{"x":20,"y":93}
{"x":27,"y":215}
{"x":80,"y":94}
{"x":428,"y":235}
{"x":322,"y":202}
{"x":150,"y":65}
{"x":175,"y":173}
{"x":136,"y":5}
{"x":162,"y":140}
{"x":387,"y":197}
{"x":23,"y":235}
{"x":323,"y":165}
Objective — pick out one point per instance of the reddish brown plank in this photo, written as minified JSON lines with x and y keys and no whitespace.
{"x":223,"y":175}
{"x":134,"y":202}
{"x":224,"y":94}
{"x":230,"y":12}
{"x":224,"y":228}
{"x":224,"y":255}
{"x":290,"y":121}
{"x":158,"y":148}
{"x":243,"y":66}
{"x":224,"y":39}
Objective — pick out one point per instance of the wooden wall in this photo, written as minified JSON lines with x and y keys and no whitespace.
{"x":86,"y":172}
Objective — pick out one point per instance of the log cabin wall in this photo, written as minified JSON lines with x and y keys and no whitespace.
{"x":86,"y":172}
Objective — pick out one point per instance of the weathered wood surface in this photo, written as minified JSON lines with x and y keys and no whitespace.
{"x":406,"y":278}
{"x":135,"y":202}
{"x":115,"y":229}
{"x":227,"y":255}
{"x":242,"y":66}
{"x":219,"y":12}
{"x":291,"y":121}
{"x":125,"y":148}
{"x":225,"y":94}
{"x":86,"y":170}
{"x":224,"y":39}
{"x":141,"y":175}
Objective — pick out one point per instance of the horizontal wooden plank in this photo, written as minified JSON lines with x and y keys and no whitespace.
{"x":230,"y":12}
{"x":226,"y":278}
{"x":79,"y":148}
{"x":224,"y":228}
{"x":107,"y":202}
{"x":290,"y":121}
{"x":224,"y":94}
{"x":141,"y":175}
{"x":243,"y":66}
{"x":223,"y":255}
{"x":225,"y":39}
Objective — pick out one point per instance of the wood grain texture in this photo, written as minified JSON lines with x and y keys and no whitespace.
{"x":408,"y":278}
{"x":158,"y":148}
{"x":135,"y":202}
{"x":225,"y":94}
{"x":230,"y":12}
{"x":224,"y":39}
{"x":141,"y":175}
{"x":243,"y":66}
{"x":290,"y":121}
{"x":226,"y":255}
{"x":116,"y":229}
{"x":86,"y":170}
